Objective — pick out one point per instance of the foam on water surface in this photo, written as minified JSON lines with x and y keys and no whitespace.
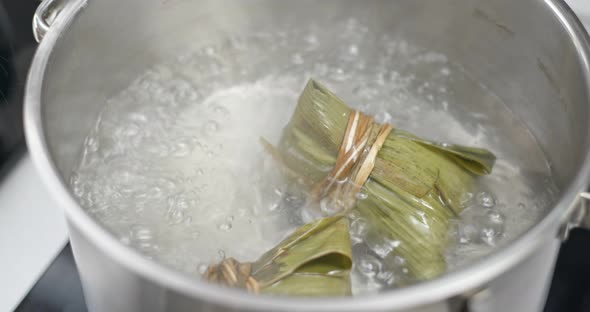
{"x":174,"y":166}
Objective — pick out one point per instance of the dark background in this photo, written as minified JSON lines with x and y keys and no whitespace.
{"x":59,"y":289}
{"x":570,"y":289}
{"x":16,"y":48}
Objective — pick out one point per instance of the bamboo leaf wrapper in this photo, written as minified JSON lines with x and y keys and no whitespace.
{"x":415,"y":188}
{"x":315,"y":260}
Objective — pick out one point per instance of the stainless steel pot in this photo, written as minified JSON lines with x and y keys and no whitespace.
{"x":533,"y":53}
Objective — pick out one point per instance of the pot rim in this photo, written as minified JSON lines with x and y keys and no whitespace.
{"x":451,"y":284}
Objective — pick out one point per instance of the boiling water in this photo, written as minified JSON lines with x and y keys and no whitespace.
{"x":174,"y":166}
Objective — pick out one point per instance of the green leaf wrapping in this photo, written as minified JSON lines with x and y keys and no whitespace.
{"x":414,"y":190}
{"x":477,"y":160}
{"x":315,"y":260}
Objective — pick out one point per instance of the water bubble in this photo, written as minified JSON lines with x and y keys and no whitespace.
{"x":495,"y":217}
{"x":383,"y":117}
{"x":220,"y":110}
{"x":210,"y":51}
{"x":75,"y":179}
{"x":309,"y":215}
{"x":330,"y":207}
{"x":78,"y":189}
{"x":338,"y":74}
{"x":386,"y":277}
{"x":485,"y":199}
{"x":274,"y":206}
{"x":489,"y":236}
{"x":467,"y":233}
{"x":297,"y":59}
{"x":366,"y":92}
{"x":466,"y":199}
{"x":360,"y":65}
{"x":399,"y":261}
{"x":92,"y":144}
{"x":351,"y":24}
{"x":141,"y":233}
{"x":358,"y":230}
{"x":175,"y":216}
{"x":226,"y":227}
{"x":129,"y":130}
{"x":353,"y":215}
{"x":381,"y":246}
{"x":146,"y":246}
{"x":144,"y":83}
{"x":202,"y":268}
{"x":156,"y":192}
{"x":295,"y":201}
{"x":138,"y":117}
{"x":492,"y":228}
{"x":161,"y":150}
{"x":166,"y":183}
{"x":211,"y":126}
{"x":182,"y":149}
{"x":182,"y":204}
{"x":221,"y":254}
{"x":183,"y":92}
{"x":321,"y":69}
{"x":312,"y":42}
{"x":353,"y":50}
{"x":369,"y":266}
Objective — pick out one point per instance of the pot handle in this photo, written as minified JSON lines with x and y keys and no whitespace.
{"x":578,"y":216}
{"x":467,"y":302}
{"x":44,"y":16}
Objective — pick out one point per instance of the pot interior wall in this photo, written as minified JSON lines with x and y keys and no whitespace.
{"x":518,"y":49}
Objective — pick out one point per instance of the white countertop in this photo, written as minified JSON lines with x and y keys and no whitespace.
{"x":582,"y":8}
{"x":32,"y":232}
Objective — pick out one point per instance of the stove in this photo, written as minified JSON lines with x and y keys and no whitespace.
{"x":37,"y":270}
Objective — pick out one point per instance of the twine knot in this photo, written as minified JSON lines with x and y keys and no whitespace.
{"x":232,"y":273}
{"x":362,"y":141}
